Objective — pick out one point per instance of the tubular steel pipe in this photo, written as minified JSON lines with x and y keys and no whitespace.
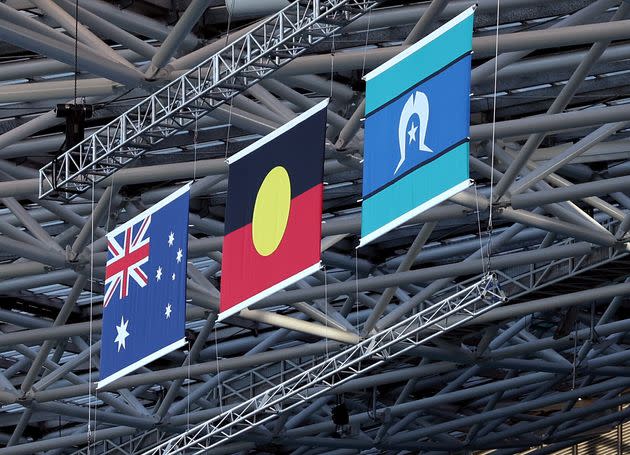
{"x":68,"y":441}
{"x":106,"y":28}
{"x":553,"y":303}
{"x":134,"y":22}
{"x":279,"y":320}
{"x":47,"y":346}
{"x":577,"y":149}
{"x":429,"y":402}
{"x":483,"y":46}
{"x":69,"y":23}
{"x":404,"y":266}
{"x":558,"y":226}
{"x":486,"y":69}
{"x":559,"y":104}
{"x":23,"y":20}
{"x":87,"y":60}
{"x":177,"y":35}
{"x":528,"y":427}
{"x":194,"y":370}
{"x":551,"y":122}
{"x":508,"y":410}
{"x":569,"y":193}
{"x":427,"y":274}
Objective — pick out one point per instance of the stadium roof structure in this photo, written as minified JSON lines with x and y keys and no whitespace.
{"x":550,"y":156}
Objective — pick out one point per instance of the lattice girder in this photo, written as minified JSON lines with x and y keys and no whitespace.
{"x":174,"y":107}
{"x":336,"y":369}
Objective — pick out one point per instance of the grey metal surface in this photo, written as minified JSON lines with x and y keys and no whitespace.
{"x":547,"y":370}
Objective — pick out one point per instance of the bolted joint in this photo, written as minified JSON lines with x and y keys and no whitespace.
{"x":71,"y":256}
{"x":26,"y":399}
{"x":164,"y":420}
{"x":79,"y":267}
{"x":501,"y":203}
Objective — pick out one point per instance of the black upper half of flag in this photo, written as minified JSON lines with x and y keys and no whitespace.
{"x":299,"y":150}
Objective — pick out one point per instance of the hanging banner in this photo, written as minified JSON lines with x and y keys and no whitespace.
{"x":144,"y":308}
{"x":273,"y":212}
{"x":416,"y":128}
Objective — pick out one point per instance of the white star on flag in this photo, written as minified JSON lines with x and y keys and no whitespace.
{"x":122,"y":333}
{"x":179,"y":255}
{"x":158,"y":274}
{"x":173,"y":277}
{"x":168,"y":311}
{"x":412,"y":132}
{"x":171,"y":239}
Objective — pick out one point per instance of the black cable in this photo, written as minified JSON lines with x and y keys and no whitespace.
{"x":76,"y":47}
{"x":107,"y":103}
{"x":229,"y":23}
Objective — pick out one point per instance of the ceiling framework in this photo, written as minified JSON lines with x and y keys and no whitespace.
{"x":548,"y":369}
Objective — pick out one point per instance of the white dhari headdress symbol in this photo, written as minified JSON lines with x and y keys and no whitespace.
{"x":418,"y":104}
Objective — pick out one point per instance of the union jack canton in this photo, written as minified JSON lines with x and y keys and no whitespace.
{"x":144,"y":303}
{"x":126,"y":261}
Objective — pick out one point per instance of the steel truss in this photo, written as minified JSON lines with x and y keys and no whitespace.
{"x":522,"y":280}
{"x":239,"y":65}
{"x":508,"y":382}
{"x":513,"y":282}
{"x":333,"y":371}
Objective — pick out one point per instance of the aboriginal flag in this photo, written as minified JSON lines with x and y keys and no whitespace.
{"x":273,"y":212}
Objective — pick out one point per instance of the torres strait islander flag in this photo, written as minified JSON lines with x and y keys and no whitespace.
{"x":417,"y":109}
{"x":273,"y":212}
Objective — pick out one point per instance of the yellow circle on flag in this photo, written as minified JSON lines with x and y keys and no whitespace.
{"x":271,"y":211}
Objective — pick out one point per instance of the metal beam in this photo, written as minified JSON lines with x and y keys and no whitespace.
{"x":105,"y":204}
{"x":558,"y":105}
{"x":290,"y":323}
{"x":429,"y":402}
{"x":428,"y":274}
{"x":176,"y":36}
{"x":86,"y":60}
{"x":110,"y":30}
{"x":69,"y":441}
{"x":134,"y":22}
{"x":404,"y":266}
{"x":550,"y":122}
{"x":571,"y":193}
{"x":84,"y":35}
{"x":546,"y":168}
{"x":46,"y":347}
{"x":29,"y":223}
{"x":560,"y":301}
{"x":486,"y":69}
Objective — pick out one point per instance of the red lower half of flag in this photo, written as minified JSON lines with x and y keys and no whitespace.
{"x":246,"y":273}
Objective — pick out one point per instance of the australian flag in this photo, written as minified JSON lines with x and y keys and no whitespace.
{"x":144,"y":306}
